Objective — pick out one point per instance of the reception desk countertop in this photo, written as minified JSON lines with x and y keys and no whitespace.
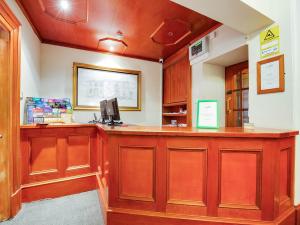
{"x":178,"y":131}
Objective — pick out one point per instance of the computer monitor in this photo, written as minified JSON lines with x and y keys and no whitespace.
{"x":112,"y":110}
{"x":103,"y":111}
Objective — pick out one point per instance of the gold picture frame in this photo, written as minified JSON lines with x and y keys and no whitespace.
{"x":77,"y":105}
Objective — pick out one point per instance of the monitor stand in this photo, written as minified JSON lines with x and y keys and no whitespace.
{"x":114,"y":123}
{"x":111,"y":121}
{"x":103,"y":121}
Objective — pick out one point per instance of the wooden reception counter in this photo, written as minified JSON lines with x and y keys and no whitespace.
{"x":155,"y":175}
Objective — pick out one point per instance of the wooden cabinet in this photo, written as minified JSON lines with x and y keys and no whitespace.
{"x":167,"y":86}
{"x":176,"y":79}
{"x":177,"y":89}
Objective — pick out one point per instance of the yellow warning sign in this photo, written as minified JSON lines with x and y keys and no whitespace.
{"x":270,"y":42}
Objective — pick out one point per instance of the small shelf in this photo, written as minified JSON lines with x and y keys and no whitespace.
{"x":175,"y":114}
{"x":174,"y":104}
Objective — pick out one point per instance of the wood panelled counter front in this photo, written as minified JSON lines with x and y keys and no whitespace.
{"x":158,"y":175}
{"x":58,"y":160}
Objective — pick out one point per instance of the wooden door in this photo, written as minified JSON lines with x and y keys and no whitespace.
{"x":10,"y":196}
{"x":183,"y":68}
{"x":179,"y":81}
{"x":237,"y":90}
{"x":4,"y":123}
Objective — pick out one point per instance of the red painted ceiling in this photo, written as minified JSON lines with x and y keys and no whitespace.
{"x":152,"y":29}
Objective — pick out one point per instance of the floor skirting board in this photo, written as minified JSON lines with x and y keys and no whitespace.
{"x":298,"y":215}
{"x":59,"y":187}
{"x":123,"y":217}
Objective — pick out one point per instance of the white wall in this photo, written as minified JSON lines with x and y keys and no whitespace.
{"x":30,"y":57}
{"x":208,"y":81}
{"x":280,"y":105}
{"x":295,"y":6}
{"x":57,"y":75}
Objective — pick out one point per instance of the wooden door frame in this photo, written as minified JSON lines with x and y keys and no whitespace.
{"x":13,"y":182}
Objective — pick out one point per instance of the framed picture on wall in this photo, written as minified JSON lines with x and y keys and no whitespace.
{"x":92,"y":84}
{"x":208,"y":114}
{"x":270,"y":75}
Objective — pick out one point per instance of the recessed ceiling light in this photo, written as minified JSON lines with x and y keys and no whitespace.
{"x":111,"y":48}
{"x":64,"y":5}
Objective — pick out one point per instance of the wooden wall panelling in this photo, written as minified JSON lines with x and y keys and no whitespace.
{"x":189,"y":93}
{"x":242,"y":190}
{"x":240,"y":179}
{"x":137,"y":170}
{"x":166,"y":86}
{"x":241,"y":186}
{"x":285,"y":181}
{"x":213,"y":178}
{"x":43,"y":157}
{"x":103,"y":198}
{"x":81,"y":151}
{"x":269,"y":185}
{"x":173,"y":59}
{"x":52,"y":157}
{"x":186,"y":176}
{"x":10,"y":197}
{"x":100,"y":153}
{"x":41,"y":152}
{"x":179,"y":72}
{"x":182,"y":180}
{"x":124,"y":217}
{"x":58,"y":187}
{"x":182,"y":80}
{"x":132,"y":171}
{"x":103,"y":163}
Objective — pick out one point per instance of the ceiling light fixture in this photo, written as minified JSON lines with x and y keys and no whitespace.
{"x":112,"y":44}
{"x":111,"y":48}
{"x":64,"y":5}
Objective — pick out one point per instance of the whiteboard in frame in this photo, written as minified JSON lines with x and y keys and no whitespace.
{"x":92,"y":84}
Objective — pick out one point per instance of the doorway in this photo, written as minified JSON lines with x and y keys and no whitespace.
{"x":236,"y":80}
{"x":10,"y":197}
{"x":236,"y":94}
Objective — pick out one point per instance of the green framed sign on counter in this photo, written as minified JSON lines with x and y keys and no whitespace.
{"x":208,"y":116}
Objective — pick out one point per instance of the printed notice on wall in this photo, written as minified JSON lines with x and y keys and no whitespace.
{"x":270,"y":75}
{"x":208,"y":114}
{"x":270,"y":42}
